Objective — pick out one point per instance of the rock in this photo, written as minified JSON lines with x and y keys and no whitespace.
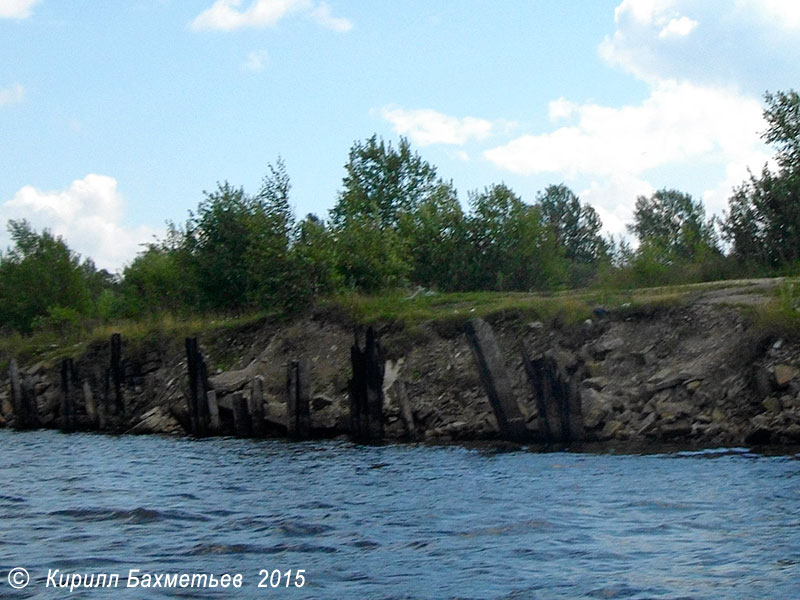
{"x":669,"y":411}
{"x":157,"y":420}
{"x":594,"y":406}
{"x":647,"y":424}
{"x":606,"y":344}
{"x":595,"y":383}
{"x":535,"y":325}
{"x":784,"y":374}
{"x":611,"y":429}
{"x":667,"y":378}
{"x":693,"y":385}
{"x":762,"y":382}
{"x":772,"y":404}
{"x":233,"y":381}
{"x":678,"y":429}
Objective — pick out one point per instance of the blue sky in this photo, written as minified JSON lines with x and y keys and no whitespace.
{"x":115,"y":115}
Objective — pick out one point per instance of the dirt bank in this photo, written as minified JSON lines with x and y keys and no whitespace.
{"x":695,"y":373}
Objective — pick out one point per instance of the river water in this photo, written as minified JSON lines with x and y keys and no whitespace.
{"x":399,"y":522}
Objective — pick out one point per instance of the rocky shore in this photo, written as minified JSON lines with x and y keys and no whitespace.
{"x":692,"y":375}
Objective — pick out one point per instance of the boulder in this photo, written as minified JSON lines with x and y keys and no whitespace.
{"x":606,"y":344}
{"x":595,"y":406}
{"x":784,"y":374}
{"x":233,"y":381}
{"x":157,"y":420}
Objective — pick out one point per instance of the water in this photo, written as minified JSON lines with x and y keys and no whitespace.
{"x":397,"y":522}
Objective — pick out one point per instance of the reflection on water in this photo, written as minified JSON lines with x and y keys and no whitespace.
{"x":398,"y":522}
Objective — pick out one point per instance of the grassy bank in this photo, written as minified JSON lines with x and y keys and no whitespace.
{"x":777,"y":311}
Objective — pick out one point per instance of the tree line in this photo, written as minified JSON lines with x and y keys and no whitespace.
{"x":397,"y":223}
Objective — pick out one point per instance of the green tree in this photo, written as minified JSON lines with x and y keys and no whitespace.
{"x":672,"y":227}
{"x":575,"y":226}
{"x":41,"y":277}
{"x":509,"y":247}
{"x":382,"y":183}
{"x":313,"y":259}
{"x":434,"y":233}
{"x":763,"y":218}
{"x":782,"y":114}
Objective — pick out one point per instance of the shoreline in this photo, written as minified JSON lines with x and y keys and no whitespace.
{"x":690,"y":375}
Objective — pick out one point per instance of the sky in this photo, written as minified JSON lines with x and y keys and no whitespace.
{"x":116,"y":115}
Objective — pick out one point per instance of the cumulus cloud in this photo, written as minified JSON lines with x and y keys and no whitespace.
{"x":677,"y":126}
{"x":12,"y":94}
{"x":715,"y":42}
{"x":426,"y":126}
{"x":16,"y":9}
{"x":678,"y":122}
{"x":229,"y":15}
{"x":88,"y":215}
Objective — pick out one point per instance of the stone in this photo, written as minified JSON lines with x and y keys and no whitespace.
{"x":693,"y":385}
{"x":681,"y":428}
{"x":606,"y":344}
{"x":668,"y":378}
{"x":157,"y":420}
{"x":595,"y":406}
{"x":784,"y":374}
{"x":762,"y":382}
{"x":647,"y":424}
{"x":772,"y":404}
{"x":611,"y":429}
{"x":671,"y":410}
{"x":595,"y":383}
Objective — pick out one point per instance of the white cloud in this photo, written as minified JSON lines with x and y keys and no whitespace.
{"x":321,"y":14}
{"x":678,"y":28}
{"x":748,"y":43}
{"x":228,"y":15}
{"x":426,"y":126}
{"x":12,"y":94}
{"x":16,"y":9}
{"x":256,"y":61}
{"x":678,"y":122}
{"x":88,"y":215}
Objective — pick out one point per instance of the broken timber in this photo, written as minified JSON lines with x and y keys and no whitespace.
{"x":298,"y":399}
{"x":496,"y":381}
{"x":554,"y":380}
{"x":198,"y":388}
{"x":366,"y":390}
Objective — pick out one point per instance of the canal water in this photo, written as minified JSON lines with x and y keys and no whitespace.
{"x":392,"y":522}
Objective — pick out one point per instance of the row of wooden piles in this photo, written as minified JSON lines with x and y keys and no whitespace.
{"x":98,"y":413}
{"x":554,"y":386}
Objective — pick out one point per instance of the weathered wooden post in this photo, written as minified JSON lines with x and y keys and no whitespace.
{"x":213,"y":411}
{"x":116,"y":373}
{"x":555,"y":388}
{"x":366,"y":390}
{"x":198,"y":400}
{"x":405,"y":409}
{"x":241,"y":416}
{"x":298,"y":399}
{"x":256,"y":407}
{"x":30,"y":404}
{"x":496,"y":381}
{"x":91,"y":407}
{"x":67,"y":403}
{"x":17,"y":401}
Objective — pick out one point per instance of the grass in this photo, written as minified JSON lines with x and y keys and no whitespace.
{"x":446,"y":312}
{"x":51,"y":345}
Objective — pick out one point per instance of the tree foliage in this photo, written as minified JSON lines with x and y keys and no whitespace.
{"x":671,"y":227}
{"x":41,"y":278}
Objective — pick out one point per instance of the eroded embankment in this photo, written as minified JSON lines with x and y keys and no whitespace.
{"x":694,"y":374}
